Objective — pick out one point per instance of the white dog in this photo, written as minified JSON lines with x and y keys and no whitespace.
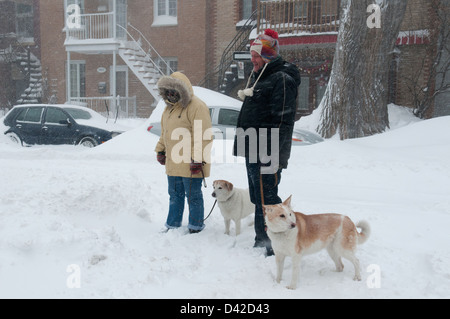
{"x":234,"y":203}
{"x":295,"y":235}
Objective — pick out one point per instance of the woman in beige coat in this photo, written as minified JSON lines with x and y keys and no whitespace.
{"x":184,"y":148}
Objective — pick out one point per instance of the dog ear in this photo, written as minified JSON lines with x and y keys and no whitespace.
{"x":229,"y":186}
{"x":287,"y":202}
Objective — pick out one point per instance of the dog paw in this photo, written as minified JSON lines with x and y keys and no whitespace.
{"x":357,"y":278}
{"x":292,"y":287}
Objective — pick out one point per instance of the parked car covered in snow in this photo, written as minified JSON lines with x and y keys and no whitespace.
{"x":57,"y":124}
{"x":224,"y":112}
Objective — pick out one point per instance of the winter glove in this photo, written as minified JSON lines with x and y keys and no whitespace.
{"x":161,"y":157}
{"x":196,"y":168}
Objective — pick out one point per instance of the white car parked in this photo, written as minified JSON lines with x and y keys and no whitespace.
{"x":224,"y":112}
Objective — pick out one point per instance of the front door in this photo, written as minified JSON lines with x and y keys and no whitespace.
{"x":121,"y":80}
{"x":121,"y":88}
{"x":121,"y":17}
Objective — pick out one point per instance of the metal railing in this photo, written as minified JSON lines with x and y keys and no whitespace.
{"x":96,"y":26}
{"x":147,"y":48}
{"x":299,"y":16}
{"x":126,"y":107}
{"x":215,"y":78}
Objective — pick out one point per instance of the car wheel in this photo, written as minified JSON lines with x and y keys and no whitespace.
{"x":14,"y":138}
{"x":88,"y":142}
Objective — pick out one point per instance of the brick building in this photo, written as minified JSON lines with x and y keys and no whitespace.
{"x":20,"y":70}
{"x":95,"y":51}
{"x":148,"y":34}
{"x":308,"y":35}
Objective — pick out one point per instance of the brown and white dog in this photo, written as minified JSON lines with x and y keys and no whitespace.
{"x":234,"y":203}
{"x":295,"y":235}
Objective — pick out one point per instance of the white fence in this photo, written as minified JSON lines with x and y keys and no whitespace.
{"x":110,"y":107}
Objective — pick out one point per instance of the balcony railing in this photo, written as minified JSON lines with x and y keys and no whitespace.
{"x":299,"y":16}
{"x":97,"y":26}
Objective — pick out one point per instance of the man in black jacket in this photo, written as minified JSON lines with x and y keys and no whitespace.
{"x":265,"y":126}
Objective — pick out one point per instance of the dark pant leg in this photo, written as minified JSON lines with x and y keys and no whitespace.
{"x":270,"y":196}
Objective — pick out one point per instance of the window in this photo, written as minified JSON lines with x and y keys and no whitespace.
{"x":166,"y":12}
{"x":24,"y":21}
{"x":32,"y":115}
{"x":55,"y":116}
{"x":77,"y":78}
{"x":67,"y":3}
{"x":78,"y":114}
{"x":247,"y":9}
{"x":121,"y":19}
{"x":77,"y":2}
{"x":167,"y":8}
{"x":172,"y":62}
{"x":228,"y":117}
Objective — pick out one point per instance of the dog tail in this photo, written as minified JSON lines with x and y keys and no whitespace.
{"x":365,"y":232}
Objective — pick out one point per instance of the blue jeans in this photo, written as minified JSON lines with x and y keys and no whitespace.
{"x":179,"y":189}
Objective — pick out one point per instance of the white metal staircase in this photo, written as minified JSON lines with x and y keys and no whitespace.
{"x":142,"y":58}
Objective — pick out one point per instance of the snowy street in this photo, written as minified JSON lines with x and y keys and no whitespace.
{"x":85,"y":223}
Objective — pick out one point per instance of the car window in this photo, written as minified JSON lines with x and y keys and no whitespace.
{"x":78,"y":114}
{"x":228,"y":117}
{"x":21,"y":115}
{"x":55,"y":115}
{"x":14,"y":114}
{"x":31,"y":114}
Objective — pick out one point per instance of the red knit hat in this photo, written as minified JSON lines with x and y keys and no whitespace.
{"x":267,"y":45}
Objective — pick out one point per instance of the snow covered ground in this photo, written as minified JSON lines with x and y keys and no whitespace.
{"x":85,"y":223}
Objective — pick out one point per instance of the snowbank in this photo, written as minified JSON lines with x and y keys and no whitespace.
{"x":399,"y":116}
{"x":85,"y":223}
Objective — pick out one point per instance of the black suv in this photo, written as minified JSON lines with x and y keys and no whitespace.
{"x":56,"y":124}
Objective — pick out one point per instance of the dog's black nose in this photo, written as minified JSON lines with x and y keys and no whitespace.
{"x":213,"y":194}
{"x":293,"y":225}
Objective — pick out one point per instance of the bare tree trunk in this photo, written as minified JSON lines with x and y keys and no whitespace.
{"x":355,"y":103}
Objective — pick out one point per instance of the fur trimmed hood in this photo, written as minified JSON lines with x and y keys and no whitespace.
{"x":178,"y":82}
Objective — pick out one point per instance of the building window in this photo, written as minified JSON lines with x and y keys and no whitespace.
{"x":68,"y":3}
{"x":166,"y":13}
{"x":172,"y":62}
{"x":167,"y":8}
{"x":24,"y":21}
{"x":121,"y":19}
{"x":247,"y":9}
{"x":77,"y":79}
{"x":72,"y":8}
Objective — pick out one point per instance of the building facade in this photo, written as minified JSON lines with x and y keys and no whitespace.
{"x":308,"y":32}
{"x":109,"y":54}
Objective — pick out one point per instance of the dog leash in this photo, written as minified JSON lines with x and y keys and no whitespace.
{"x":214,"y":205}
